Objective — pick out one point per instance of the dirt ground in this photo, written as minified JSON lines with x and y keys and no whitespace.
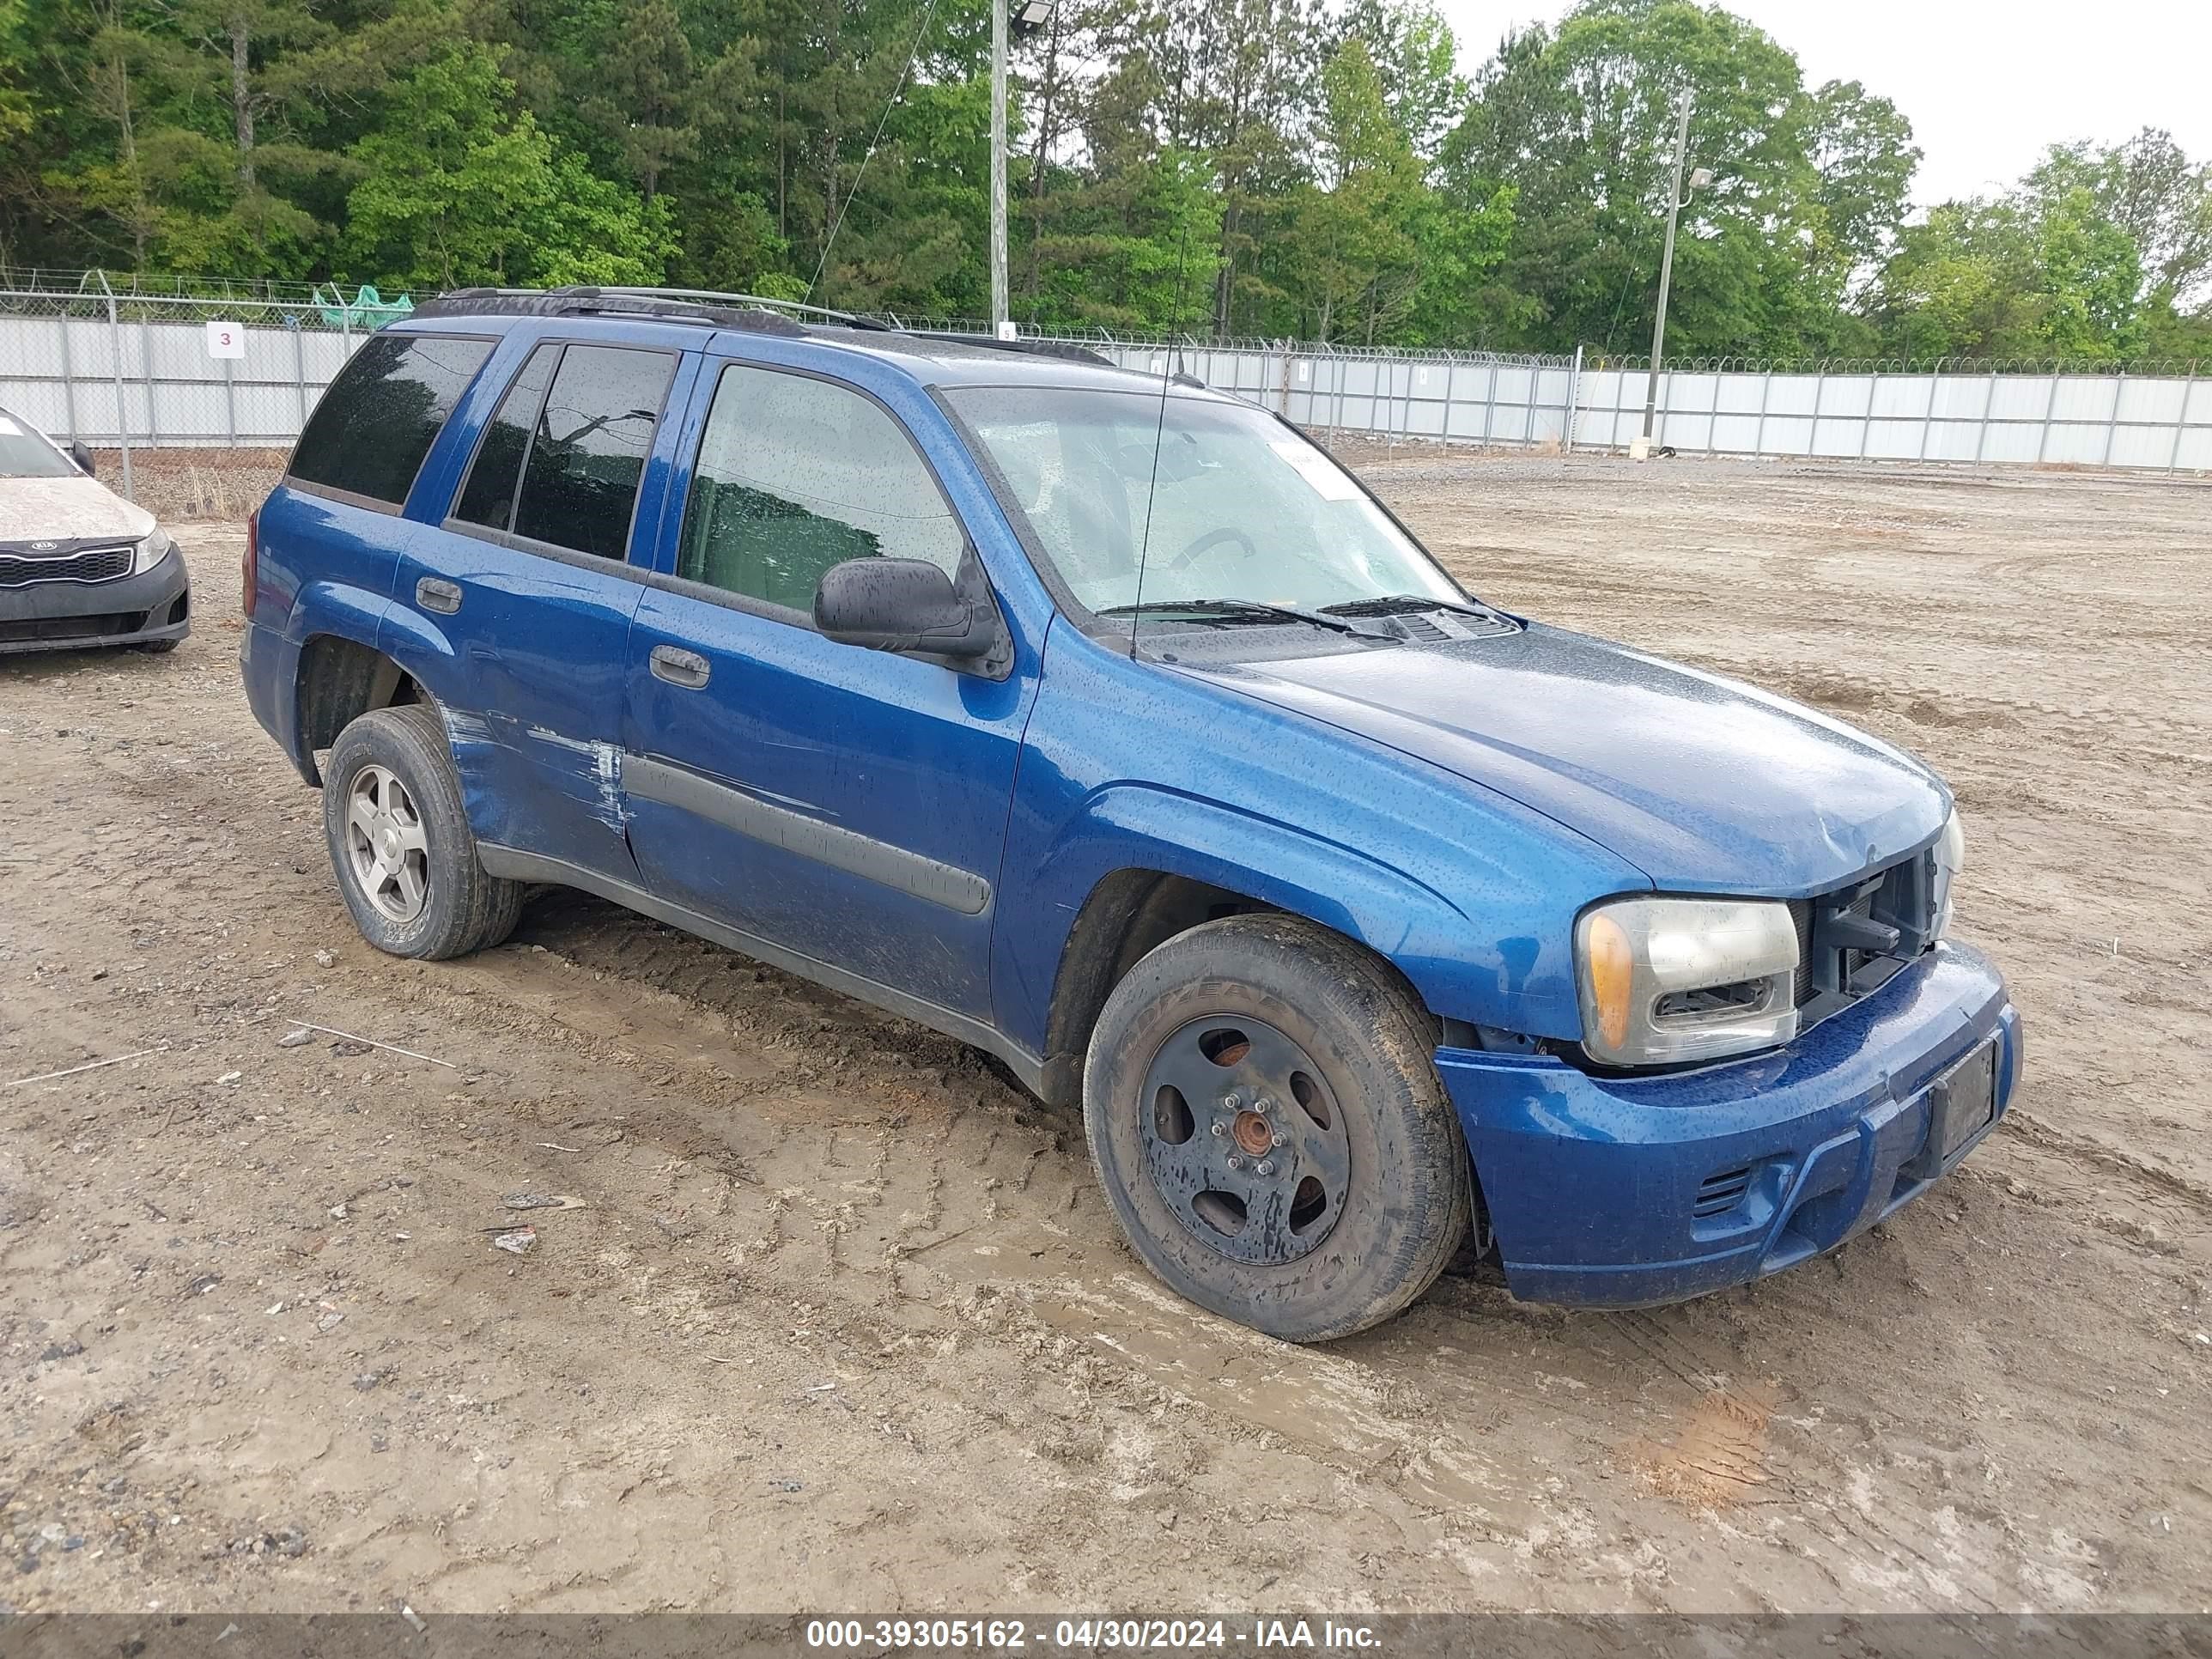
{"x":832,"y":1317}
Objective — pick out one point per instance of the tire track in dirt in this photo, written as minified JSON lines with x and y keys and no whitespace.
{"x":830,"y":1271}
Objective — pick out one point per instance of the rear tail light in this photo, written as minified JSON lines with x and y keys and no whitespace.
{"x":249,"y":566}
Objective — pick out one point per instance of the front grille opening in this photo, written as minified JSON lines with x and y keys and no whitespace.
{"x":17,"y":632}
{"x":1835,"y":965}
{"x":98,"y":564}
{"x":1721,"y":1191}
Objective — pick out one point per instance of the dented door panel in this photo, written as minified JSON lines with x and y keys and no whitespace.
{"x":539,"y":633}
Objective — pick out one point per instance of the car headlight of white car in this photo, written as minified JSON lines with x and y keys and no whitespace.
{"x":150,"y":551}
{"x":1666,"y":980}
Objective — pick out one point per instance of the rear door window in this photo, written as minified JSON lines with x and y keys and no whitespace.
{"x":377,"y":420}
{"x":488,"y":497}
{"x":587,"y":448}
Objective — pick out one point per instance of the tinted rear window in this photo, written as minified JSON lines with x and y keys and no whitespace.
{"x":488,"y":498}
{"x":373,"y":427}
{"x":579,"y":482}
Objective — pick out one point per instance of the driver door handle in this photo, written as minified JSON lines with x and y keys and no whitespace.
{"x":680,"y":667}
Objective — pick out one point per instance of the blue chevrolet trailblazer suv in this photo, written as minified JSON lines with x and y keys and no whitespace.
{"x":1106,"y":723}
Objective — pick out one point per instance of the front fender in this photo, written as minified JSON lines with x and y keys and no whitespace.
{"x":1131,"y":766}
{"x":1139,"y":826}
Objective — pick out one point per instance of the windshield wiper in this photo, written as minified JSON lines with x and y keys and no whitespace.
{"x":1230,"y":611}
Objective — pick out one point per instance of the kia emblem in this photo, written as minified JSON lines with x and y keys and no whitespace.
{"x":44,"y":547}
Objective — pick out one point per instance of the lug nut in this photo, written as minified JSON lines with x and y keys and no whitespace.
{"x":1231,"y":1101}
{"x":1220,"y":1129}
{"x":1265,"y":1166}
{"x":1264,"y":1105}
{"x":1235,"y":1162}
{"x":1279,"y":1139}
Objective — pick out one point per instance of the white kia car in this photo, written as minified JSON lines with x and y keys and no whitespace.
{"x":79,"y":565}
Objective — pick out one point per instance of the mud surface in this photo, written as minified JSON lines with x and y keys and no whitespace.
{"x":830,"y":1315}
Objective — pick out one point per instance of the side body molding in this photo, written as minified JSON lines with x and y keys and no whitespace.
{"x":650,"y":778}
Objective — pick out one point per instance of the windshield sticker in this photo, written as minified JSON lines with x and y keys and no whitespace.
{"x":1327,"y":479}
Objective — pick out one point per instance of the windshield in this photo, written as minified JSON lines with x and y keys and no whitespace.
{"x":1244,"y":508}
{"x":25,"y":454}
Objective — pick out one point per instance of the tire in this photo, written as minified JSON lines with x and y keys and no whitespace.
{"x":434,"y":901}
{"x":1360,"y":1125}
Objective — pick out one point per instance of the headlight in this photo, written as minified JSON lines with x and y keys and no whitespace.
{"x":1668,"y":980}
{"x":150,"y":552}
{"x":1950,"y":859}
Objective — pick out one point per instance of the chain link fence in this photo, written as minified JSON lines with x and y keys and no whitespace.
{"x":192,"y":392}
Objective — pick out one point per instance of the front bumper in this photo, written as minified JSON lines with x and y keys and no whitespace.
{"x":126,"y":611}
{"x":1629,"y":1192}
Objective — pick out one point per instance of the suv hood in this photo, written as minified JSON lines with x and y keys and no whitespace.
{"x":1705,"y":784}
{"x":67,"y":510}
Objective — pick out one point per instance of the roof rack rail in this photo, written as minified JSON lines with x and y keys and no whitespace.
{"x":1063,"y":348}
{"x":848,"y":318}
{"x":578,"y":301}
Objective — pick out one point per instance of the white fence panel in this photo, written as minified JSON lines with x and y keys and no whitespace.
{"x":66,"y":366}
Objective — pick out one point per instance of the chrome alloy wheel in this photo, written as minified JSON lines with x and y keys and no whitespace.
{"x":385,"y":846}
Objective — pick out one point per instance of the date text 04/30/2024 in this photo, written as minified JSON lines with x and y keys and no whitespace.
{"x":1011,"y":1635}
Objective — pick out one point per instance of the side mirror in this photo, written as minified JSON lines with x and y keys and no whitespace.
{"x":83,"y":457}
{"x":902,"y":605}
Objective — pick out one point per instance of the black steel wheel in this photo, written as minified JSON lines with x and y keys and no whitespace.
{"x":1266,"y":1119}
{"x":1244,"y":1139}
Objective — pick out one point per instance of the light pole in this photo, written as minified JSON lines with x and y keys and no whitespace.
{"x":1675,"y":203}
{"x":1028,"y":17}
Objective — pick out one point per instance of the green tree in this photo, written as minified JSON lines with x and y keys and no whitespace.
{"x":2048,"y":277}
{"x":1580,"y":120}
{"x":458,"y":188}
{"x":1354,"y":226}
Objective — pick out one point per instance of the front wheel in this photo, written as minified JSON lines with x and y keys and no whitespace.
{"x":400,"y":841}
{"x":1266,"y":1120}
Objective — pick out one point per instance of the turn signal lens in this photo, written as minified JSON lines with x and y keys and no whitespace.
{"x":1612,"y":976}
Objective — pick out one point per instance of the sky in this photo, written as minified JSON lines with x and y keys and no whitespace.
{"x":1987,"y":84}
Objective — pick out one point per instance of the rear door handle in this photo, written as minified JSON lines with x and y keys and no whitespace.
{"x":442,"y":597}
{"x":680,"y":667}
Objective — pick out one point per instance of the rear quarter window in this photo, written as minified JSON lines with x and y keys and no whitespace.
{"x":377,"y":420}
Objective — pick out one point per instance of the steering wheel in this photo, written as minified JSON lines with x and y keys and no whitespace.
{"x":1211,"y":539}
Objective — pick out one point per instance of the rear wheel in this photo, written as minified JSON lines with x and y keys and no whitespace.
{"x":1267,"y":1124}
{"x":400,"y":841}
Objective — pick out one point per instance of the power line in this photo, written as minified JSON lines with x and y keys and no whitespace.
{"x":890,"y":104}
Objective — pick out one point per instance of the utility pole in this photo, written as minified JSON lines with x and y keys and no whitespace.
{"x":1000,"y":324}
{"x":1028,"y":17}
{"x":1666,"y":265}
